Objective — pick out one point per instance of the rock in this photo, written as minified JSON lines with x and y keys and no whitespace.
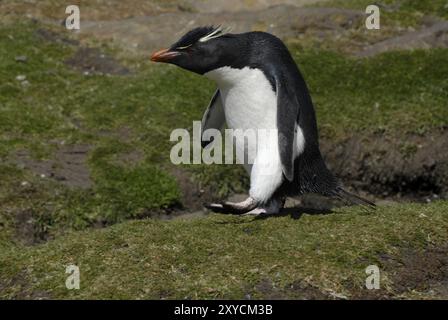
{"x":21,"y":59}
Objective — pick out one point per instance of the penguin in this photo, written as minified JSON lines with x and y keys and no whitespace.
{"x":259,"y":86}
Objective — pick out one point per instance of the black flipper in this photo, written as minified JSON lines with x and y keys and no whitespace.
{"x":287,"y":117}
{"x":213,"y":117}
{"x":295,"y":107}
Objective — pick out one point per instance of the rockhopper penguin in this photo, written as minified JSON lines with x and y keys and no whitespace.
{"x":260,"y":87}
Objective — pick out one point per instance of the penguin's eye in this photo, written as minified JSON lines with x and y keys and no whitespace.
{"x":184,"y":47}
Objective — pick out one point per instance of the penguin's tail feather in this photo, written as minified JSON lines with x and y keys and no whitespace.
{"x":351,"y":198}
{"x":315,"y":177}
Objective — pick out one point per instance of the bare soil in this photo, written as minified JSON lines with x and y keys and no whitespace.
{"x":434,"y":35}
{"x":298,"y":290}
{"x":27,"y":230}
{"x":410,"y":166}
{"x":410,"y":271}
{"x":143,"y":35}
{"x":68,"y":165}
{"x":93,"y":61}
{"x":424,"y":271}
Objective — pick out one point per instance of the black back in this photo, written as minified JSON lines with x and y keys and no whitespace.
{"x":269,"y":54}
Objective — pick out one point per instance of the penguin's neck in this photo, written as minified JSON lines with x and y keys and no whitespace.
{"x":247,"y":97}
{"x":229,"y":77}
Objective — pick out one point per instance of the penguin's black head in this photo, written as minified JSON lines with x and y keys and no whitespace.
{"x":200,"y":50}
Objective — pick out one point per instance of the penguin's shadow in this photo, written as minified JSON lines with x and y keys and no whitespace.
{"x":294,"y":212}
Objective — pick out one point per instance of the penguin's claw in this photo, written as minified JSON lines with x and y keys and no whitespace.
{"x":234,"y":207}
{"x":214,"y":207}
{"x":256,"y":212}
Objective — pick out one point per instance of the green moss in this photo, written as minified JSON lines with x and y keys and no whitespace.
{"x":223,"y":256}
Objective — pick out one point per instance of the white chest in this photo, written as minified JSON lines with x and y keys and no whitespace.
{"x":247,"y":96}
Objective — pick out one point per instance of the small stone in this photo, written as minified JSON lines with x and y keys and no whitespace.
{"x":21,"y":59}
{"x":422,"y":215}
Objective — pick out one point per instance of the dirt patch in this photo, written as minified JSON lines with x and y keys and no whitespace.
{"x":424,"y":271}
{"x":93,"y":61}
{"x":104,"y":10}
{"x":134,"y":29}
{"x":193,"y":195}
{"x":298,"y":290}
{"x":28,"y":230}
{"x":133,"y":26}
{"x":22,"y":288}
{"x":85,"y":59}
{"x":419,"y":272}
{"x":67,"y":166}
{"x":216,"y":6}
{"x":52,"y":36}
{"x":285,"y":21}
{"x":411,"y":166}
{"x":91,"y":10}
{"x":433,"y":36}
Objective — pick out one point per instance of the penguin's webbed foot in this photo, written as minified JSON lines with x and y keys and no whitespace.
{"x":234,"y":207}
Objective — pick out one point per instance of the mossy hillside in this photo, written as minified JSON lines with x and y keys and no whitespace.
{"x":226,"y":256}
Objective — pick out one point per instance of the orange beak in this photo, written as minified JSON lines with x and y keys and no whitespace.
{"x":163,"y":55}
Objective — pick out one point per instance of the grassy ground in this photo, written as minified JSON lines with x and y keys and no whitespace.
{"x":229,"y":257}
{"x":45,"y":105}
